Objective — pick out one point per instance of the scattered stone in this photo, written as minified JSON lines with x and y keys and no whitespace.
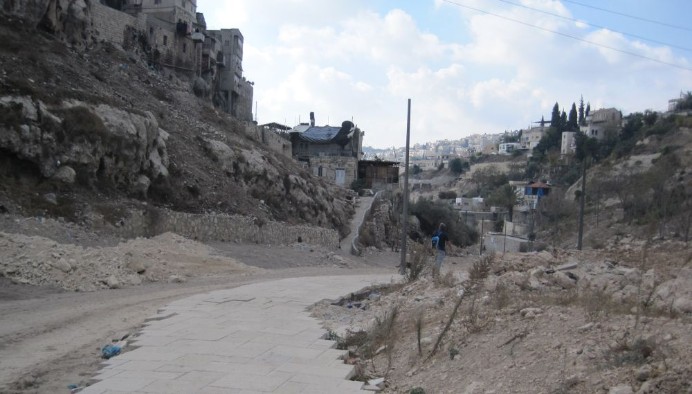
{"x":137,"y":266}
{"x":621,"y":389}
{"x":134,"y":280}
{"x":645,"y":388}
{"x":142,"y":184}
{"x":586,"y":327}
{"x":530,"y":313}
{"x":566,"y":266}
{"x":65,"y":174}
{"x":51,"y":198}
{"x":62,"y":265}
{"x":176,"y":279}
{"x":374,"y":296}
{"x":644,"y":373}
{"x":113,"y":282}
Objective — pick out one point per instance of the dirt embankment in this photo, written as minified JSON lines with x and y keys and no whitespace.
{"x":528,"y":323}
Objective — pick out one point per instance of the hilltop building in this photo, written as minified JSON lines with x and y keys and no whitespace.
{"x":328,"y":151}
{"x":602,"y":123}
{"x":176,"y":39}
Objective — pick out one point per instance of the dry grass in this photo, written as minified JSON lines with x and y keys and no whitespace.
{"x":418,"y":264}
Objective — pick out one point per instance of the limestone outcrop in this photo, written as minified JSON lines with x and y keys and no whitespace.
{"x":67,"y":19}
{"x":85,"y":143}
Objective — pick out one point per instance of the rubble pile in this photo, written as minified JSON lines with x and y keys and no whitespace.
{"x":41,"y":261}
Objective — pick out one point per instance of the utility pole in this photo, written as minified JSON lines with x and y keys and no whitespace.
{"x":404,"y":219}
{"x":480,"y":250}
{"x":581,"y":204}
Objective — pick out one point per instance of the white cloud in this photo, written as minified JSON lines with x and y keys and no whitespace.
{"x":345,"y":58}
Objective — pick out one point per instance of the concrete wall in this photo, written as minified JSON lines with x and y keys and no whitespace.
{"x":498,"y":243}
{"x":225,"y":228}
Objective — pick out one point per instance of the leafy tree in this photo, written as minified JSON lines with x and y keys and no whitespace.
{"x":586,"y":147}
{"x":555,"y":116}
{"x":415,"y":170}
{"x":582,"y":118}
{"x":588,"y":110}
{"x":505,"y":197}
{"x":685,"y":102}
{"x":573,"y":122}
{"x":430,"y":214}
{"x":488,"y":179}
{"x":563,"y":122}
{"x":458,"y":166}
{"x":650,"y":117}
{"x":447,"y":195}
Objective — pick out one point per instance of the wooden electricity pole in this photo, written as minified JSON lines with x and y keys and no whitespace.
{"x":581,"y":205}
{"x":404,"y":219}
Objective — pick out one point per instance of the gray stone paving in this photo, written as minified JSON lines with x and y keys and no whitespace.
{"x":255,"y":338}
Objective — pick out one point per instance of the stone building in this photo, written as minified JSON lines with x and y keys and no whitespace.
{"x":328,"y":151}
{"x":531,"y":137}
{"x":234,"y":92}
{"x":602,"y":123}
{"x":568,"y":143}
{"x":179,"y":40}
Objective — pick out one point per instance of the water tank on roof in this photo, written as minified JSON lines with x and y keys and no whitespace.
{"x":197,"y":37}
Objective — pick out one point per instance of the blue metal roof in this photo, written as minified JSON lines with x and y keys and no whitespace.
{"x":320,"y":133}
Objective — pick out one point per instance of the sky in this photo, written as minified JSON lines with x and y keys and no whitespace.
{"x":468,"y":66}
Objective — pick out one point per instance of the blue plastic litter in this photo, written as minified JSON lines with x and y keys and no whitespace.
{"x":109,"y":351}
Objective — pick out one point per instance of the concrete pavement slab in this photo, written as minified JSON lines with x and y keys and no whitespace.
{"x":256,"y":338}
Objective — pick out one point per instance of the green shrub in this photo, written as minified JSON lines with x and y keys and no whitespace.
{"x":447,"y":195}
{"x":430,"y":214}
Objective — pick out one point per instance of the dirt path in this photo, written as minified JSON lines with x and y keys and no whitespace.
{"x":50,"y":339}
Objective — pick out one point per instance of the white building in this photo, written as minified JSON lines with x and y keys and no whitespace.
{"x":507,"y":148}
{"x":569,"y":143}
{"x":602,"y":122}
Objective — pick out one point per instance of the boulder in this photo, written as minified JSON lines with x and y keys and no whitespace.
{"x":141,"y":187}
{"x":621,"y":389}
{"x":112,"y":282}
{"x":65,"y":174}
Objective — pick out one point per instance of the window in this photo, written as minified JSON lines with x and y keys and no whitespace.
{"x":151,"y":31}
{"x":319,"y":171}
{"x":184,"y":47}
{"x":165,"y":40}
{"x":157,"y":1}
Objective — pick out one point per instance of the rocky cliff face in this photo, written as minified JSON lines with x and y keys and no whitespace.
{"x":70,"y":20}
{"x":82,"y":134}
{"x":76,"y":141}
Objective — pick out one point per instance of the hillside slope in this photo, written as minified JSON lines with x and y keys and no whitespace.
{"x":90,"y":130}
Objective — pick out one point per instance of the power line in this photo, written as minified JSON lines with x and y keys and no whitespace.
{"x":596,"y":26}
{"x":572,"y":37}
{"x":629,"y":16}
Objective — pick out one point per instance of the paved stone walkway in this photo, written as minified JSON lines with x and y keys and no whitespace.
{"x":255,"y":338}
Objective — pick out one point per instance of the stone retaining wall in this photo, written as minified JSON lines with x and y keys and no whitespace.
{"x":225,"y":228}
{"x":111,"y":23}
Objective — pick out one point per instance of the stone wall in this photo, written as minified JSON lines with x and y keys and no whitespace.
{"x":111,"y":24}
{"x":225,"y":228}
{"x":330,"y":164}
{"x":270,"y":139}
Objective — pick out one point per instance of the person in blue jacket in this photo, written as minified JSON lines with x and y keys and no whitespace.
{"x":442,"y":239}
